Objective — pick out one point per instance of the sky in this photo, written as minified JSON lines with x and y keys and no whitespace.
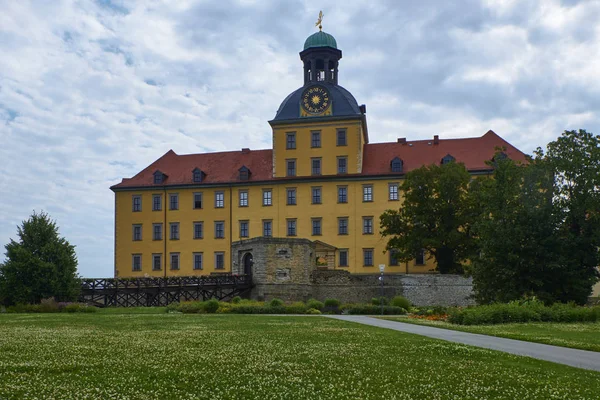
{"x":94,"y":91}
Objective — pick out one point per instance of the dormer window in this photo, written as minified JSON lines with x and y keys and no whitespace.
{"x":197,"y":175}
{"x":500,"y":156}
{"x":244,"y":173}
{"x":159,"y":177}
{"x":448,"y":159}
{"x":397,"y":164}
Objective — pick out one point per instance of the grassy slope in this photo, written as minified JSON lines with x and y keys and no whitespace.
{"x":176,"y":356}
{"x":585,"y":336}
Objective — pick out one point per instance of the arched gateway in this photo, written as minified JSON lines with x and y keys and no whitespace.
{"x":247,"y":263}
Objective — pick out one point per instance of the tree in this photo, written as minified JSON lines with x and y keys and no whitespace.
{"x":539,"y":232}
{"x":435,"y":216}
{"x":515,"y":235}
{"x":40,"y":265}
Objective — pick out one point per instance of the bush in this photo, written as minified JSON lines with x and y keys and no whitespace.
{"x":523,"y":312}
{"x":276,"y":303}
{"x":316,"y":304}
{"x":313,"y":311}
{"x":296,"y":308}
{"x":376,"y":301}
{"x":400,"y":301}
{"x":376,"y":310}
{"x":332,"y":303}
{"x":211,"y":306}
{"x":236,"y":300}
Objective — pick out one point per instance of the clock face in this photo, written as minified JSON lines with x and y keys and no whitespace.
{"x":315,"y":99}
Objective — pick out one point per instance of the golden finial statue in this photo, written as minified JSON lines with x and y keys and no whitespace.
{"x":320,"y":20}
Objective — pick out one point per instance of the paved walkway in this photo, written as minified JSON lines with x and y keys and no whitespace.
{"x":562,"y":355}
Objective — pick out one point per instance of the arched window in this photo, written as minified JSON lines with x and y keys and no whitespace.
{"x":448,"y":159}
{"x":397,"y":165}
{"x":198,"y":175}
{"x":244,"y":173}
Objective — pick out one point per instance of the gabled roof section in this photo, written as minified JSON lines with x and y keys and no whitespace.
{"x":221,"y":167}
{"x":473,"y":152}
{"x":225,"y":167}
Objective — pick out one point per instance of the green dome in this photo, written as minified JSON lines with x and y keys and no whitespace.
{"x":320,"y":39}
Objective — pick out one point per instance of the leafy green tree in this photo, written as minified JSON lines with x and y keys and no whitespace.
{"x":39,"y":265}
{"x":539,"y":232}
{"x":436,"y":216}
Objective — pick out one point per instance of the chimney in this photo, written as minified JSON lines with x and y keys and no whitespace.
{"x":245,"y":150}
{"x":436,"y":139}
{"x":402,"y":140}
{"x":363,"y":108}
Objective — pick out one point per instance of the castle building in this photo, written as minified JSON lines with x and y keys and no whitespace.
{"x":322,"y":180}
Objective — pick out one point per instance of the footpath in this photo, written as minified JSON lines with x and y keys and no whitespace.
{"x":562,"y":355}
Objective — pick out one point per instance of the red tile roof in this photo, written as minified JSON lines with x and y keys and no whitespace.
{"x":222,"y":168}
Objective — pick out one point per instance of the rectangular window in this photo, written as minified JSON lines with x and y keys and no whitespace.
{"x":367,"y":193}
{"x":156,"y":262}
{"x":197,"y":261}
{"x":291,"y":197}
{"x":136,"y":262}
{"x":316,"y":226}
{"x":393,"y":258}
{"x":197,"y":201}
{"x":367,"y":225}
{"x":420,"y":258}
{"x":343,"y":226}
{"x":368,"y":257}
{"x":267,"y":228}
{"x":219,"y":199}
{"x":316,"y":195}
{"x":219,"y":229}
{"x":341,"y":137}
{"x":136,"y":203}
{"x":198,"y":230}
{"x":174,"y":230}
{"x":291,"y":167}
{"x":156,"y":202}
{"x":393,"y":190}
{"x":342,"y":194}
{"x":316,"y":166}
{"x":343,"y":257}
{"x":267,"y":197}
{"x":244,"y":229}
{"x":137,"y":232}
{"x":316,"y":139}
{"x":243,"y":198}
{"x":174,"y":201}
{"x":174,"y":260}
{"x":291,"y":227}
{"x":291,"y":140}
{"x":342,"y":163}
{"x":219,"y":260}
{"x":157,"y":231}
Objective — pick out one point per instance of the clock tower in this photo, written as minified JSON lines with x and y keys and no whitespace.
{"x":319,"y":129}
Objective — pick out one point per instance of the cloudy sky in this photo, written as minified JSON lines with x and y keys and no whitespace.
{"x":94,"y":91}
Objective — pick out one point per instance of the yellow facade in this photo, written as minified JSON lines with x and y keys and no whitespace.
{"x":329,"y":211}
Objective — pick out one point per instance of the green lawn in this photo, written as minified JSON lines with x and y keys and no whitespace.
{"x":585,"y":335}
{"x":179,"y":356}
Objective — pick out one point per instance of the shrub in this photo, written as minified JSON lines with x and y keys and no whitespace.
{"x":400,"y":301}
{"x":276,"y":303}
{"x":236,"y":300}
{"x":316,"y":304}
{"x":376,"y":301}
{"x":296,"y":308}
{"x":191,"y":307}
{"x":333,"y":303}
{"x":48,"y":305}
{"x":211,"y":306}
{"x":523,"y":312}
{"x":376,"y":310}
{"x":313,"y":311}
